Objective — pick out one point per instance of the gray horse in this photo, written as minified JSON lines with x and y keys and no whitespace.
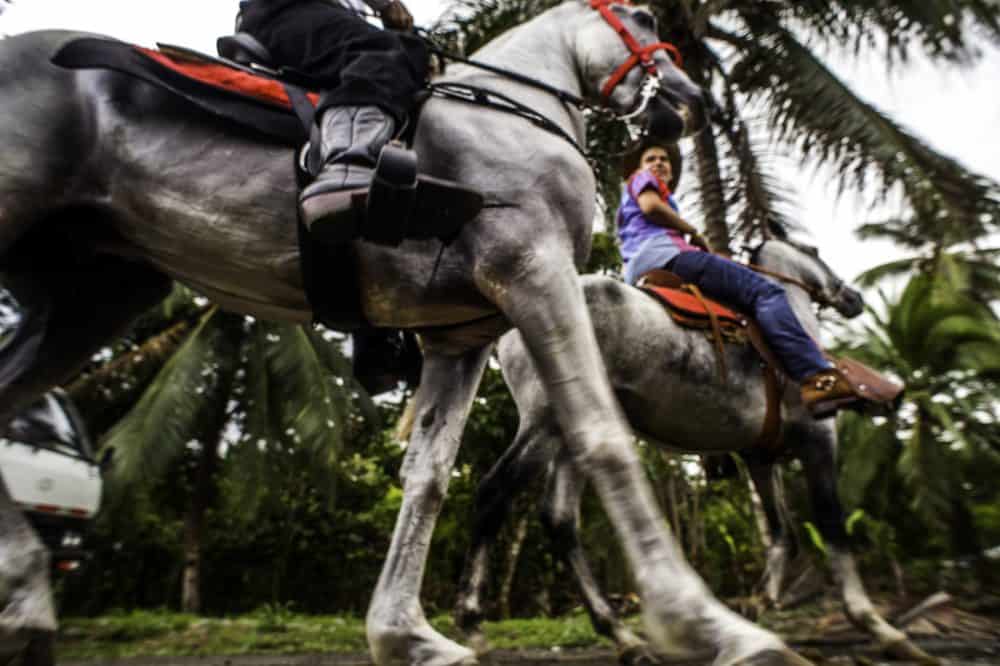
{"x":109,"y":188}
{"x":667,"y":382}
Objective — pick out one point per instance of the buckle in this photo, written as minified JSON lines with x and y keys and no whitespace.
{"x":826,"y":383}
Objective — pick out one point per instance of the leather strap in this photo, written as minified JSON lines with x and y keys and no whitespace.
{"x":774,"y":385}
{"x":720,"y":348}
{"x":641,"y":55}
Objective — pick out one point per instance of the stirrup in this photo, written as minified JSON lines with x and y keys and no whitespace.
{"x":391,"y":196}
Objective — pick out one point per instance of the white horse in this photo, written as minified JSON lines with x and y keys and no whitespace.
{"x":109,"y":187}
{"x":667,"y":380}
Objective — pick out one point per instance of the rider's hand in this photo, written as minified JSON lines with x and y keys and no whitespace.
{"x":699,"y":241}
{"x":397,"y":17}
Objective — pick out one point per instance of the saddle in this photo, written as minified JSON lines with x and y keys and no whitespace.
{"x":689,"y":308}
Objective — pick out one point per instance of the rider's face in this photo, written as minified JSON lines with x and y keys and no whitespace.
{"x":657,"y":161}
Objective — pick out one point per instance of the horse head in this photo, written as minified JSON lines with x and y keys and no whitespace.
{"x":802,"y":264}
{"x":626,"y":65}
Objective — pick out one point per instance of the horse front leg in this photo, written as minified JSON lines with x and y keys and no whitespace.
{"x":26,"y":610}
{"x":542,"y":297}
{"x":561,"y":518}
{"x":818,"y":456}
{"x":398,"y":632}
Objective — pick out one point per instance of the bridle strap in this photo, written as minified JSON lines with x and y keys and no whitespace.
{"x":814,"y":293}
{"x":641,"y":55}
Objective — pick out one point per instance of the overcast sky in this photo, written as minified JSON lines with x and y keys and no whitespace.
{"x":958,"y":112}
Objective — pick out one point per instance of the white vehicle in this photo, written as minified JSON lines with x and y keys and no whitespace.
{"x":48,"y":465}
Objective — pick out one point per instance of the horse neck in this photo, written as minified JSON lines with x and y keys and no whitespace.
{"x":798,"y":298}
{"x":542,"y":49}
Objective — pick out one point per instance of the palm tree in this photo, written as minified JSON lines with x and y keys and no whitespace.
{"x":946,"y":346}
{"x":764,"y":55}
{"x":226,"y":394}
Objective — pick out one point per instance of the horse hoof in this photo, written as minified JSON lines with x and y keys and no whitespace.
{"x":906,"y":650}
{"x":784,"y":657}
{"x":476,"y":639}
{"x":637,"y":655}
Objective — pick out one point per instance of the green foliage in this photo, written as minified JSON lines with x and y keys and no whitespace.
{"x":160,"y":633}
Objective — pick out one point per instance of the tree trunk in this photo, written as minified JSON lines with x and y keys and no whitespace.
{"x":713,"y":198}
{"x":194,"y":526}
{"x":513,"y":555}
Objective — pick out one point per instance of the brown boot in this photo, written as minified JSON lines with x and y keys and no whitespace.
{"x":827,"y":391}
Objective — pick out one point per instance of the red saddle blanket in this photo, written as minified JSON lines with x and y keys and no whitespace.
{"x":691,"y":307}
{"x":220,"y":75}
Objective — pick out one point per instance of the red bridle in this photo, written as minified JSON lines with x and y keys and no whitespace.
{"x":641,"y":55}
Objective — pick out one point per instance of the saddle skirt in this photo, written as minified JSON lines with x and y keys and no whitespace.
{"x":689,"y":308}
{"x":222,"y":88}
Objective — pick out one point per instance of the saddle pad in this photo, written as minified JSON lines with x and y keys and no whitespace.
{"x":691,"y":307}
{"x":218,"y":74}
{"x":247,"y":99}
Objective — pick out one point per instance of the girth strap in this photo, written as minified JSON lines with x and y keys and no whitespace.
{"x":774,"y":385}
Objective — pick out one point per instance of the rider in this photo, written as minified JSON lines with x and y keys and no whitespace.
{"x":651,"y":231}
{"x":370,"y":76}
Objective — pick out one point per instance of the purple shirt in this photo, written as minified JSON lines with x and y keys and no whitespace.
{"x":633,"y":227}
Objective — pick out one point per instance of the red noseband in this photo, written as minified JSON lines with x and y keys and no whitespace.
{"x":641,"y":55}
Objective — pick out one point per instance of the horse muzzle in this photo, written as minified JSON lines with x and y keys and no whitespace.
{"x":849,"y":302}
{"x":671,"y":116}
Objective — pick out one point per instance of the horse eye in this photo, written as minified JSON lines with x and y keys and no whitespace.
{"x":645,"y":20}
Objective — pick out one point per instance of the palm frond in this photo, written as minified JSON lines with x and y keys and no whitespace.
{"x":177,"y":406}
{"x":817,"y":113}
{"x":940,"y":28}
{"x":309,"y":406}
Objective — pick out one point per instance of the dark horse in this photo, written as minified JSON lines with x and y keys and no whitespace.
{"x":110,"y":188}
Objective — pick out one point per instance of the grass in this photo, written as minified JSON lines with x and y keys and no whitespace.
{"x":278,"y":630}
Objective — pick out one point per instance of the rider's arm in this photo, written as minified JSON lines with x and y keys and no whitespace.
{"x":657,"y":211}
{"x":393,"y":13}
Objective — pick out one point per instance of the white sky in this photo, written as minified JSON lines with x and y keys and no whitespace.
{"x":958,"y":112}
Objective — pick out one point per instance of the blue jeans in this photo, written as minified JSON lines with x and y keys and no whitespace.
{"x":764,"y":300}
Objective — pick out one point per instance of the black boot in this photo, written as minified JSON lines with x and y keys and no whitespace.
{"x":351,"y":139}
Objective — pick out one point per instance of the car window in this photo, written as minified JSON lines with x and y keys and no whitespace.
{"x":45,"y":424}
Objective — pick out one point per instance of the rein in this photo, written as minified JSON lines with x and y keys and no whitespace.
{"x":639,"y":55}
{"x":815,"y":294}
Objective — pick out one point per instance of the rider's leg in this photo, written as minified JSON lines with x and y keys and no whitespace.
{"x":371,"y":76}
{"x":823,"y":385}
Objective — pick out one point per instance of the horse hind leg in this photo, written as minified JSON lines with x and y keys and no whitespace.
{"x":76,"y":308}
{"x":27,"y":612}
{"x":522,"y":463}
{"x":561,"y":519}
